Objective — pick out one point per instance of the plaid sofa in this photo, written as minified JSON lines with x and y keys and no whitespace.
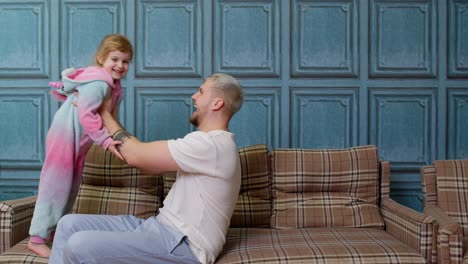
{"x":445,"y":192}
{"x":109,"y":186}
{"x":294,"y":206}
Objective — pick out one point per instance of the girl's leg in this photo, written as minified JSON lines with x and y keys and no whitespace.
{"x":77,"y":223}
{"x":38,"y":245}
{"x":54,"y":187}
{"x":77,"y":176}
{"x":58,"y":186}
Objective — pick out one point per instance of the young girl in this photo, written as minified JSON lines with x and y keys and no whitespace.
{"x":76,"y":126}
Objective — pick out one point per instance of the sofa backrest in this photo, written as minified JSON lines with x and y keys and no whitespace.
{"x":452,"y":189}
{"x":284,"y":188}
{"x":110,"y":186}
{"x":253,"y":208}
{"x":325,"y":188}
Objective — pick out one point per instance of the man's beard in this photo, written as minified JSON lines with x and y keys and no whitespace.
{"x":194,"y":120}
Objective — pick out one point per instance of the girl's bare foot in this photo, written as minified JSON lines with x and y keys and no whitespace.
{"x":41,"y":249}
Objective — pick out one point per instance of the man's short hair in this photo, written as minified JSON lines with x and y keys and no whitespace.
{"x":233,"y":94}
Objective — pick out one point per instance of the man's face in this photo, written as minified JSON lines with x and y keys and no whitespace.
{"x":202,"y":100}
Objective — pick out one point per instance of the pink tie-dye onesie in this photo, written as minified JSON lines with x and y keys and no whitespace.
{"x":71,"y":134}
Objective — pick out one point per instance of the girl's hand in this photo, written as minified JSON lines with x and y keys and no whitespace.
{"x":113,"y":148}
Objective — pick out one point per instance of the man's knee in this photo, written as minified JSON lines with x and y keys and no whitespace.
{"x":67,"y":222}
{"x":76,"y":247}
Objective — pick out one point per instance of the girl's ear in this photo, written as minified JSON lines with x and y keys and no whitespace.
{"x":100,"y":60}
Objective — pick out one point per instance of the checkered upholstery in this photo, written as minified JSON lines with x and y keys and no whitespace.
{"x":253,"y":208}
{"x":315,"y":245}
{"x":416,"y":230}
{"x":445,"y":190}
{"x":326,"y":188}
{"x":19,"y":254}
{"x":15,"y":219}
{"x":294,"y":206}
{"x":452,"y":190}
{"x":109,"y":186}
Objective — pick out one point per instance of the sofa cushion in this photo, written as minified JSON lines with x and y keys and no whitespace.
{"x":253,"y":207}
{"x":20,"y":254}
{"x":452,"y":189}
{"x":326,"y":188}
{"x":465,"y":249}
{"x":110,"y":186}
{"x":315,"y":245}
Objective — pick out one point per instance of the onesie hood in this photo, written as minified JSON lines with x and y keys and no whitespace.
{"x":72,"y":78}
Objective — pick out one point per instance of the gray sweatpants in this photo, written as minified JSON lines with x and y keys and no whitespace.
{"x":118,"y":239}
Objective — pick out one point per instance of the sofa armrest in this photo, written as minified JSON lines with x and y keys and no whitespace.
{"x":449,"y":236}
{"x":413,"y":228}
{"x":15,"y":220}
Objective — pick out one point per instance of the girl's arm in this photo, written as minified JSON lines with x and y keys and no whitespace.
{"x":152,"y":157}
{"x":91,"y":96}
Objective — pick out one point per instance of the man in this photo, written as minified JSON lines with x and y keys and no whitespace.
{"x":194,"y":219}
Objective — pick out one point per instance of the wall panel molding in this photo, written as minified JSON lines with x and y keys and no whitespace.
{"x":162,"y":113}
{"x":403,"y":39}
{"x":78,"y":17}
{"x":330,"y":47}
{"x":23,"y":118}
{"x":18,"y":183}
{"x":403,"y":126}
{"x":324,"y":117}
{"x":262,"y":127}
{"x":247,"y":34}
{"x":25,"y":30}
{"x":458,"y":39}
{"x":316,"y":73}
{"x":457,"y":120}
{"x":170,"y":38}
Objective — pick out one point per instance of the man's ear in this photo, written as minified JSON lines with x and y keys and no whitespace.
{"x":218,"y":104}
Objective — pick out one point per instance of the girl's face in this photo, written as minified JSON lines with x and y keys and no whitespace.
{"x":116,"y":64}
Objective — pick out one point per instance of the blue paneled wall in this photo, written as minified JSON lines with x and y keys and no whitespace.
{"x":317,"y":74}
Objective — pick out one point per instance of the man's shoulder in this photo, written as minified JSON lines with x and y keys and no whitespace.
{"x":199,"y":141}
{"x":210,"y":135}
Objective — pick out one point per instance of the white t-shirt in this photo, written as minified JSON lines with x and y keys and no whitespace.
{"x":201,"y":201}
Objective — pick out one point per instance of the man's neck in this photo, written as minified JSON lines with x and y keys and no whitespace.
{"x":210,"y":126}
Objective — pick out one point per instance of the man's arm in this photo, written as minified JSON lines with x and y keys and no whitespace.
{"x":152,"y":157}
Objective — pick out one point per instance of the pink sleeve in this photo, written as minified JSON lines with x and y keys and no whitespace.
{"x":105,"y":144}
{"x":91,"y":96}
